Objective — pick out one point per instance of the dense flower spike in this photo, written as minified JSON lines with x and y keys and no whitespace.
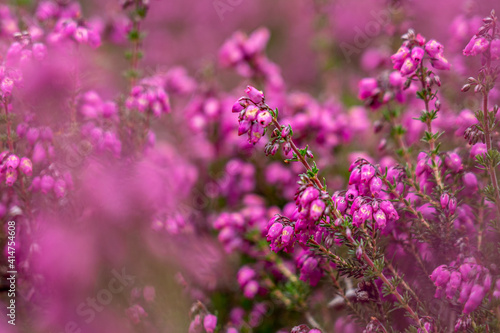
{"x":487,"y":41}
{"x":414,"y":50}
{"x":254,"y":114}
{"x":149,"y":96}
{"x":468,"y":283}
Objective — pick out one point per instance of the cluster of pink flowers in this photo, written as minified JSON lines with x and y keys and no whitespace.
{"x":411,"y":54}
{"x":11,"y":165}
{"x":253,"y":114}
{"x":466,"y":282}
{"x":149,"y":96}
{"x":130,"y":202}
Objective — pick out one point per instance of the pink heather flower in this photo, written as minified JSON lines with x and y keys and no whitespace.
{"x":257,"y":41}
{"x":433,"y":48}
{"x":251,"y":113}
{"x":439,"y":62}
{"x":256,"y":132}
{"x":417,"y":54}
{"x":400,"y":56}
{"x":264,"y":118}
{"x":409,"y":66}
{"x":12,"y":161}
{"x":251,"y":289}
{"x":453,"y":162}
{"x":21,"y":129}
{"x":396,"y":79}
{"x":476,"y":45}
{"x":275,"y":231}
{"x":255,"y":95}
{"x":375,"y":185}
{"x":209,"y":323}
{"x":380,"y":219}
{"x":6,"y":86}
{"x":26,"y":166}
{"x":39,"y":153}
{"x":341,"y":204}
{"x":286,"y":235}
{"x":244,"y":126}
{"x":46,"y":134}
{"x":470,"y":181}
{"x":389,"y":210}
{"x":367,"y":88}
{"x":478,"y":149}
{"x":367,"y":173}
{"x":445,"y":199}
{"x":149,"y":293}
{"x":245,"y":275}
{"x":452,"y":205}
{"x":420,"y":39}
{"x":136,"y":313}
{"x":465,"y":290}
{"x":230,"y":53}
{"x":81,"y":35}
{"x":195,"y":325}
{"x":32,"y":135}
{"x":47,"y":10}
{"x":475,"y":298}
{"x":308,"y":195}
{"x":351,"y":194}
{"x":46,"y":184}
{"x":10,"y":176}
{"x":440,"y":276}
{"x":355,"y":176}
{"x":240,"y":105}
{"x":317,"y":209}
{"x":365,"y":212}
{"x":453,"y":284}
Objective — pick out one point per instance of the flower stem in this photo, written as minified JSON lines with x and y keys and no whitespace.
{"x":432,"y":141}
{"x":9,"y":125}
{"x":300,"y":157}
{"x":487,"y":134}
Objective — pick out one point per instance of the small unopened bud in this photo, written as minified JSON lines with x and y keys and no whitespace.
{"x":465,"y":88}
{"x":445,"y":198}
{"x":285,"y":132}
{"x":452,"y":205}
{"x":471,"y":80}
{"x":428,"y":82}
{"x":348,"y":233}
{"x":378,"y":126}
{"x":437,"y":80}
{"x":287,"y":147}
{"x":437,"y":105}
{"x":359,"y":252}
{"x":382,"y":144}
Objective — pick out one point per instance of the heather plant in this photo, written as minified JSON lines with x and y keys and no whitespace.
{"x":133,"y":200}
{"x":417,"y":209}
